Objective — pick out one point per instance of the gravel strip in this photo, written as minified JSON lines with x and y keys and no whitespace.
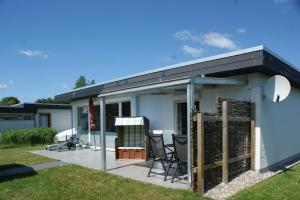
{"x":247,"y":179}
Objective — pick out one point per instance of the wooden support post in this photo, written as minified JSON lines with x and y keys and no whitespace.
{"x":252,"y":136}
{"x":200,"y":153}
{"x":225,"y":142}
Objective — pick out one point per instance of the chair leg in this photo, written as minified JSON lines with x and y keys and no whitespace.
{"x":169,"y":166}
{"x":176,"y":168}
{"x":180,"y":169}
{"x":151,"y":167}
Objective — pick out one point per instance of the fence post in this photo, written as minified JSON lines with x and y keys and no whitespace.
{"x":225,"y":142}
{"x":200,"y":157}
{"x":252,"y":136}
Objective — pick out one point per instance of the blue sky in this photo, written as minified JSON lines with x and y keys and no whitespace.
{"x":46,"y":45}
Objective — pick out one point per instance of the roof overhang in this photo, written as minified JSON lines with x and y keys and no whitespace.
{"x":252,"y":60}
{"x":194,"y":80}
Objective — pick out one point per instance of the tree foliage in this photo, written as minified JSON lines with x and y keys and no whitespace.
{"x":49,"y":101}
{"x":8,"y":101}
{"x":82,"y":82}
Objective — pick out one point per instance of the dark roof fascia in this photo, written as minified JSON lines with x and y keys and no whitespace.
{"x":47,"y":106}
{"x":233,"y":65}
{"x":275,"y":66}
{"x":10,"y":109}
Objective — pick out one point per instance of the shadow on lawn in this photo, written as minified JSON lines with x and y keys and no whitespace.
{"x":15,"y":171}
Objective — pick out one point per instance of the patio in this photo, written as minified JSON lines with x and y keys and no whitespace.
{"x":134,"y":169}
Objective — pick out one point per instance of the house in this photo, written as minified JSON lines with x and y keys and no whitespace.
{"x":30,"y":115}
{"x":167,"y":96}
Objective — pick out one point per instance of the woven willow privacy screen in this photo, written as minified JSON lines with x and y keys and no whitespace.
{"x":221,"y":143}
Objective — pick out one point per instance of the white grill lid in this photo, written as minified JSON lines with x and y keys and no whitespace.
{"x":129,"y":121}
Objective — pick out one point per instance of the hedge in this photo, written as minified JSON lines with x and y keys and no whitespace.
{"x":28,"y":136}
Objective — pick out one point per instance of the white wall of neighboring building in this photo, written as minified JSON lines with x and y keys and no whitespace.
{"x":60,"y":118}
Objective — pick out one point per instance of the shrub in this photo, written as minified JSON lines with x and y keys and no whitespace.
{"x":28,"y":136}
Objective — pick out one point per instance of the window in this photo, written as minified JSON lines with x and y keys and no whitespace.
{"x":112,"y":111}
{"x":44,"y":120}
{"x":16,"y":117}
{"x":182,"y":116}
{"x":126,"y":109}
{"x":82,"y":125}
{"x":97,"y":117}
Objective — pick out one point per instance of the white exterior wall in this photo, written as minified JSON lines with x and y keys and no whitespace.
{"x":280,"y":129}
{"x":277,"y":130}
{"x":60,"y":118}
{"x":159,"y":109}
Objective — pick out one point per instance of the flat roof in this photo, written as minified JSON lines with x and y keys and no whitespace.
{"x":32,"y":107}
{"x":254,"y":59}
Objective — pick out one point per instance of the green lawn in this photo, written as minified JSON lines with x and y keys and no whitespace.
{"x":74,"y":182}
{"x":14,"y":156}
{"x":283,"y":186}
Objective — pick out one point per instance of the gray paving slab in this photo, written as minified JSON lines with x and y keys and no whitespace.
{"x":134,"y":169}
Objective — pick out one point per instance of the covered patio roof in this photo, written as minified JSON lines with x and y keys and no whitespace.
{"x":188,"y":86}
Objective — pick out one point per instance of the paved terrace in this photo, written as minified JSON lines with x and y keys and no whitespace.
{"x":134,"y":169}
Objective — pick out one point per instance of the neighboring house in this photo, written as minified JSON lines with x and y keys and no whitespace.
{"x":29,"y":115}
{"x":167,"y":95}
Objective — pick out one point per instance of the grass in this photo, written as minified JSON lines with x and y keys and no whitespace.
{"x":283,"y":186}
{"x":16,"y":156}
{"x":74,"y":182}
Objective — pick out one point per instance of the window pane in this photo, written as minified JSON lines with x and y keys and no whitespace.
{"x":16,"y":117}
{"x":97,"y":117}
{"x":112,"y":111}
{"x":126,"y":109}
{"x":82,"y":126}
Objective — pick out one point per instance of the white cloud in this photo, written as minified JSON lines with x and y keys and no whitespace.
{"x":31,"y":53}
{"x":242,"y":30}
{"x":3,"y":86}
{"x":280,"y":1}
{"x":187,"y":35}
{"x":194,"y":52}
{"x":219,"y":40}
{"x":64,"y":85}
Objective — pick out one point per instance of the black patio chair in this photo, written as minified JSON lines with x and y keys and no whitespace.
{"x":159,"y":154}
{"x":180,"y":153}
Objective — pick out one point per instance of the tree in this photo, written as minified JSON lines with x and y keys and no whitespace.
{"x":82,"y":81}
{"x":93,"y":82}
{"x":8,"y":101}
{"x":45,"y":100}
{"x":49,"y":101}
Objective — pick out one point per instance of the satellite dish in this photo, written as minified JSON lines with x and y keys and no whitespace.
{"x":277,"y":88}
